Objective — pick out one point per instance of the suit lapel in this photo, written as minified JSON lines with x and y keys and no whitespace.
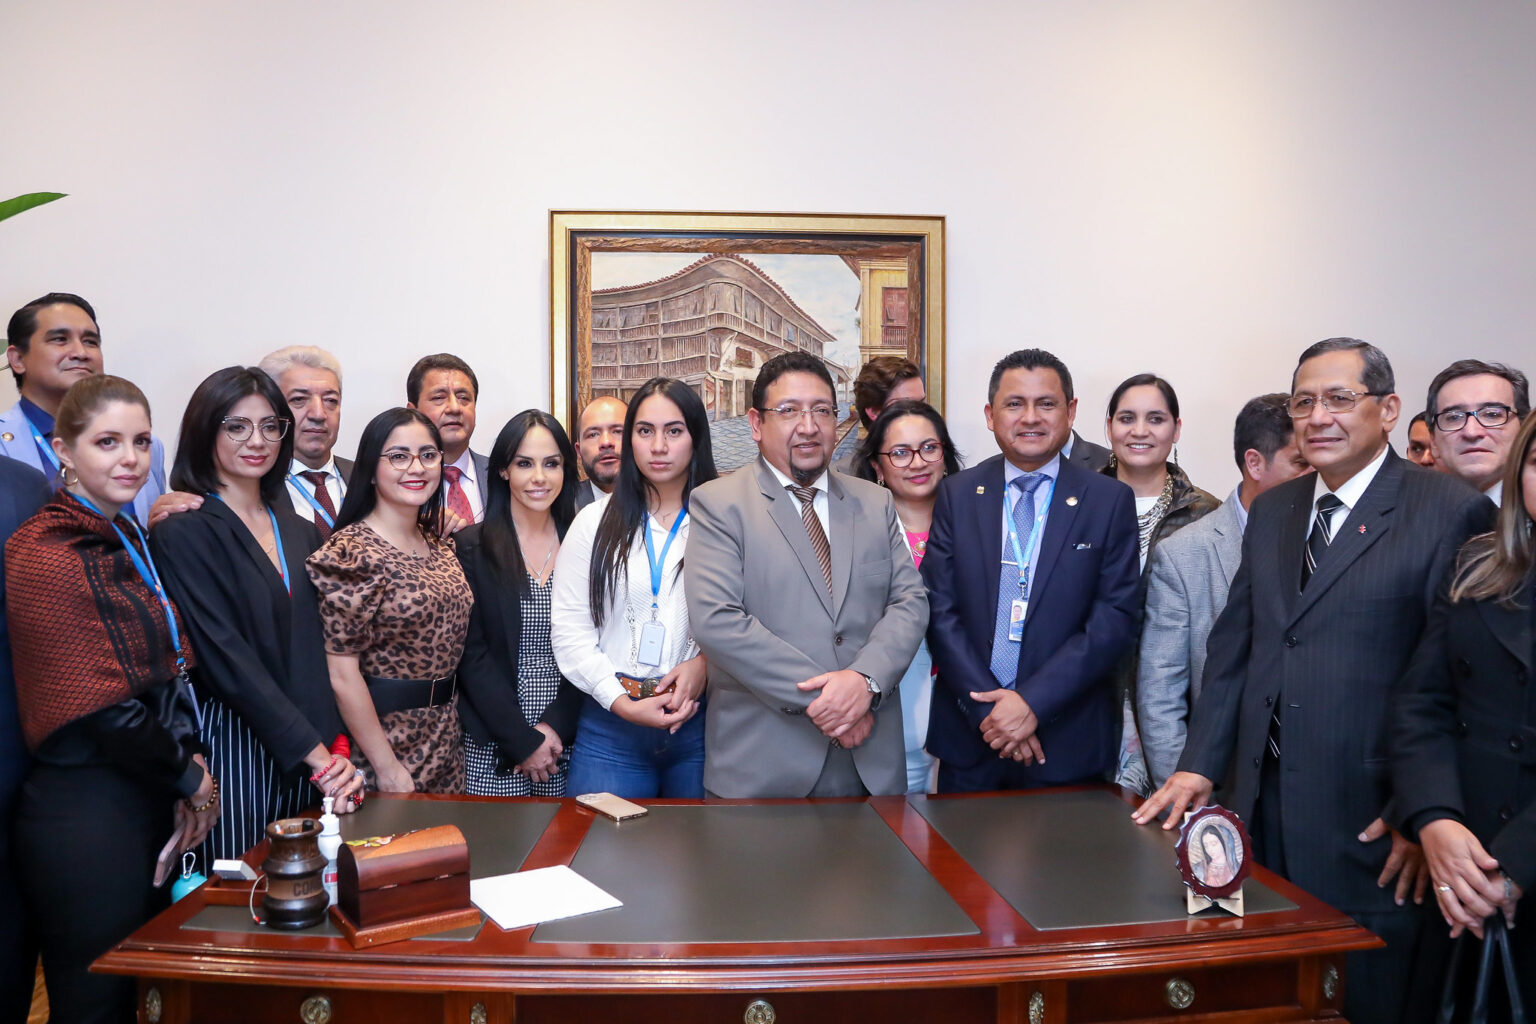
{"x":988,"y":523}
{"x":1293,"y":539}
{"x":1511,"y":626}
{"x":784,"y":510}
{"x":269,"y":574}
{"x":840,"y":517}
{"x":1229,"y":542}
{"x":1366,"y":524}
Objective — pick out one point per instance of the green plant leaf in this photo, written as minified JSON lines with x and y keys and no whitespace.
{"x":11,"y":207}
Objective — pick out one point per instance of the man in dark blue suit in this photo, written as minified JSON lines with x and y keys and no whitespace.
{"x":23,"y":490}
{"x":1031,"y":571}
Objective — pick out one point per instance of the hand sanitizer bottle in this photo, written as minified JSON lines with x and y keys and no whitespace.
{"x":330,"y":845}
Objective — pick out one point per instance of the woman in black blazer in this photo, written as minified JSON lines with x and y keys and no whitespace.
{"x":1463,"y":728}
{"x":519,"y":713}
{"x":235,"y":568}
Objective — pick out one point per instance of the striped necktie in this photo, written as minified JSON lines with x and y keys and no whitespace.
{"x":807,"y":498}
{"x":1322,"y":536}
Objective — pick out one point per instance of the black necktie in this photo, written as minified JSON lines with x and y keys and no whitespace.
{"x":1322,"y":536}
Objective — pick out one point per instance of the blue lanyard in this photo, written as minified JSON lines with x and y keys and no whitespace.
{"x":277,"y":538}
{"x":1032,"y":542}
{"x":319,"y":508}
{"x":147,"y":572}
{"x":43,"y":446}
{"x":650,"y":553}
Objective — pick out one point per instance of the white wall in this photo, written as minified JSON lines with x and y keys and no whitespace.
{"x":1194,"y":188}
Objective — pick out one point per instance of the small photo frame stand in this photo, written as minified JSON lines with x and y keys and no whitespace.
{"x":1214,"y":856}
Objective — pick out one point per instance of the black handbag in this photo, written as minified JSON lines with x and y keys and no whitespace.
{"x":1496,"y":958}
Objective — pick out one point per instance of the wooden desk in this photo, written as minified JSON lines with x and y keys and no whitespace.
{"x":696,"y":943}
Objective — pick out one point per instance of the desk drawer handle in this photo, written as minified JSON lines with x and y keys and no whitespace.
{"x":759,"y":1011}
{"x":1180,"y":993}
{"x":315,"y":1010}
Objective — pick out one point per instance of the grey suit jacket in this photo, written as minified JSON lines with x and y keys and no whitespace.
{"x":586,"y":493}
{"x":1086,"y":453}
{"x":1187,"y":580}
{"x":482,"y":471}
{"x":759,"y":609}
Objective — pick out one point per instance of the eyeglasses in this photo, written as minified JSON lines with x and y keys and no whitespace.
{"x":1342,"y":400}
{"x":428,"y":457}
{"x":822,"y":414}
{"x":238,"y":429}
{"x":901,"y":455}
{"x":1452,"y":420}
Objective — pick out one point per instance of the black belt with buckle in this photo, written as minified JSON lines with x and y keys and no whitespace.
{"x":405,"y":694}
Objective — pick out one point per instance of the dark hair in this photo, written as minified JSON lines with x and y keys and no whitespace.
{"x":88,"y":396}
{"x":1418,"y":418}
{"x":23,"y":325}
{"x":874,"y":443}
{"x":627,"y":507}
{"x":1029,"y":359}
{"x":499,"y":534}
{"x":196,"y":467}
{"x":440,"y":361}
{"x":361,"y":495}
{"x":772,"y":370}
{"x":876,"y":379}
{"x":1144,"y":380}
{"x":1377,"y":375}
{"x":1263,"y":425}
{"x":1473,"y":368}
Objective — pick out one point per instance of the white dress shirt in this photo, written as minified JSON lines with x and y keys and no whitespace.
{"x":466,"y":466}
{"x":300,"y":490}
{"x":589,"y":657}
{"x":819,"y":502}
{"x":1350,"y":492}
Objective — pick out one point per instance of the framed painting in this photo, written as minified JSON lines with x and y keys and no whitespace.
{"x":709,"y":297}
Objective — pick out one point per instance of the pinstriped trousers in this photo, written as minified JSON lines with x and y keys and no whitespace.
{"x":253,"y":789}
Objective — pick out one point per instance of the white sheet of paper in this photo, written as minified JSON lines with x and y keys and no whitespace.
{"x":533,"y":897}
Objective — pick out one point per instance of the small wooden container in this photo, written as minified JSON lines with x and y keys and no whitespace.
{"x":411,"y":875}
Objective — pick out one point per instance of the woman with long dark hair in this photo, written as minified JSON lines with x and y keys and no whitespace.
{"x":235,"y":568}
{"x":101,"y":656}
{"x":1462,"y":726}
{"x":519,"y":713}
{"x":394,"y":606}
{"x":1143,"y":427}
{"x":908,"y":451}
{"x":620,"y":617}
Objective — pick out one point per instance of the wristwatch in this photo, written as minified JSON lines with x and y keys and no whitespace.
{"x":874,"y":691}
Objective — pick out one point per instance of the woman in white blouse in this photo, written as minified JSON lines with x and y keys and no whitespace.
{"x":619,"y":619}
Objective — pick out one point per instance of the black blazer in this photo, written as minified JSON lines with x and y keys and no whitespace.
{"x":488,"y":701}
{"x":1330,"y":656}
{"x":1081,"y":617}
{"x":258,"y":650}
{"x":1463,"y":730}
{"x":1086,"y":453}
{"x":23,"y":490}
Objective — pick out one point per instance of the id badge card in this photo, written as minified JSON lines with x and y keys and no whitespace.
{"x":1016,"y":619}
{"x":653,"y":636}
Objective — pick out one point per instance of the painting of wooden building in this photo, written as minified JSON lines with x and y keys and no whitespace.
{"x":711,"y":325}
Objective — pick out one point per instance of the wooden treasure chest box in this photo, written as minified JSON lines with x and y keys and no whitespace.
{"x":413,"y":875}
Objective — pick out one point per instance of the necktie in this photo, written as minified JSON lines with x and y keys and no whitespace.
{"x":807,"y":498}
{"x":323,"y":496}
{"x":1005,"y":652}
{"x":458,"y":501}
{"x":1322,"y":536}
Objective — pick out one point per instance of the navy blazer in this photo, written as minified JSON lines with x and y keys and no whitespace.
{"x":1082,"y":613}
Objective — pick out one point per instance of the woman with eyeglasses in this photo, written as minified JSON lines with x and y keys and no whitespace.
{"x":619,"y":616}
{"x":394,"y":606}
{"x":908,"y":451}
{"x":1143,"y":428}
{"x":235,"y":568}
{"x":519,"y":712}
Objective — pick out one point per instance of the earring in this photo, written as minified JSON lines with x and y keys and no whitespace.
{"x":64,"y":476}
{"x":1175,"y":456}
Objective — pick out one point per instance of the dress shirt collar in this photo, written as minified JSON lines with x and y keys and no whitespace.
{"x":819,"y":484}
{"x":298,"y":469}
{"x":1235,"y":499}
{"x":1050,"y":470}
{"x":38,"y":418}
{"x":1496,"y":493}
{"x":1352,"y":490}
{"x":466,"y":467}
{"x":1066,"y":449}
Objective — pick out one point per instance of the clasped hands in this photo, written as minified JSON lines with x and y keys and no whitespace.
{"x":1469,"y":886}
{"x":841,"y":710}
{"x":676,"y":700}
{"x":1010,"y":727}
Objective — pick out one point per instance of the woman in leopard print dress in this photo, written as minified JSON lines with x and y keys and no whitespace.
{"x":395,"y":608}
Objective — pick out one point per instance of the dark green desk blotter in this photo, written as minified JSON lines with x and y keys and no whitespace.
{"x":765,"y":873}
{"x":1074,"y":859}
{"x":500,"y":835}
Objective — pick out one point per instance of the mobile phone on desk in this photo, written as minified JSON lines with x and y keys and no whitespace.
{"x":610,"y":806}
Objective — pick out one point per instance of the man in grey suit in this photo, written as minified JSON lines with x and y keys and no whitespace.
{"x":806,"y":604}
{"x":1187,"y":580}
{"x":1338,"y":575}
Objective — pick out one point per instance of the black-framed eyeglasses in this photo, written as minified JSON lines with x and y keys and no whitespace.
{"x":901,"y":455}
{"x":790,"y":414}
{"x":428,"y":457}
{"x":1340,"y":400}
{"x":1494,"y":414}
{"x":238,"y":428}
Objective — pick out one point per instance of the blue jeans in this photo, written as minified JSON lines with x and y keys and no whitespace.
{"x":611,"y":755}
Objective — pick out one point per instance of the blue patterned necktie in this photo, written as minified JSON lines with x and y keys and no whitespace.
{"x":1005,"y":652}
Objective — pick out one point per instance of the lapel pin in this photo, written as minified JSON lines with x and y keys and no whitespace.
{"x":981,"y":490}
{"x":1072,"y":500}
{"x":7,"y":436}
{"x":1362,"y":528}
